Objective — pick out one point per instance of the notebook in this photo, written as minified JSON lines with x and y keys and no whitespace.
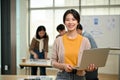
{"x":97,"y":56}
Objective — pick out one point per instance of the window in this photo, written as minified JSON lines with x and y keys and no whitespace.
{"x":41,"y":3}
{"x":42,"y":17}
{"x":50,"y":12}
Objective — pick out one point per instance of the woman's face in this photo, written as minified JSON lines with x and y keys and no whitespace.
{"x":70,"y":22}
{"x":41,"y":33}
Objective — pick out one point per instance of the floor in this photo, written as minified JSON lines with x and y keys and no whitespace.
{"x":108,"y":77}
{"x":54,"y":72}
{"x":101,"y":76}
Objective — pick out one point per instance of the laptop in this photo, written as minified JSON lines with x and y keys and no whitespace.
{"x":97,"y":56}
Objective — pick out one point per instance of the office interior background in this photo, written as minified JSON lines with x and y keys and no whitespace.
{"x":32,"y":13}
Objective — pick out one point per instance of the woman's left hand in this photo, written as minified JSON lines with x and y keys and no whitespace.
{"x":91,"y":67}
{"x":47,"y":58}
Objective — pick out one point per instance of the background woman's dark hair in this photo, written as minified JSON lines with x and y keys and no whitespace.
{"x":41,"y":28}
{"x":74,"y":13}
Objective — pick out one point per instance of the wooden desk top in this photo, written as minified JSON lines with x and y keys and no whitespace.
{"x":23,"y":77}
{"x":38,"y":63}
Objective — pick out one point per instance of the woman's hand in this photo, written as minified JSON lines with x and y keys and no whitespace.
{"x":91,"y":67}
{"x":47,"y":58}
{"x":68,"y":68}
{"x":45,"y":54}
{"x":35,"y":56}
{"x":80,"y":72}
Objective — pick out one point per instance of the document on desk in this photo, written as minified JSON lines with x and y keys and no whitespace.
{"x":39,"y":61}
{"x":38,"y":78}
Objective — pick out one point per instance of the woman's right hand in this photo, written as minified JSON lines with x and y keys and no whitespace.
{"x":68,"y":68}
{"x":35,"y":56}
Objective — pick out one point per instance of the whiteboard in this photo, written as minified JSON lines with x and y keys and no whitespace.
{"x":104,"y":28}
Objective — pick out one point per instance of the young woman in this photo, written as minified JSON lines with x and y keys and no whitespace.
{"x":39,"y":48}
{"x":67,"y":49}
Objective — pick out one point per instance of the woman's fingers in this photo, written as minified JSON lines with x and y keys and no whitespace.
{"x":91,"y":67}
{"x":68,"y":68}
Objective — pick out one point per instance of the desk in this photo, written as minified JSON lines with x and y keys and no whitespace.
{"x":23,"y":77}
{"x":38,"y":63}
{"x":116,"y":51}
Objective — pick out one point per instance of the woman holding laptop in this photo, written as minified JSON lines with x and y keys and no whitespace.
{"x":67,"y":49}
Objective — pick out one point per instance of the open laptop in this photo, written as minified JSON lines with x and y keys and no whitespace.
{"x":97,"y":56}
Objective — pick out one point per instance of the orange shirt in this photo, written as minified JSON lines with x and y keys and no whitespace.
{"x":72,"y":47}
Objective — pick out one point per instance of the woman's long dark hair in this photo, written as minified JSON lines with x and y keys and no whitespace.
{"x":74,"y":13}
{"x":41,"y":28}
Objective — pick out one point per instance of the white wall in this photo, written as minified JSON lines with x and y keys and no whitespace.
{"x":112,"y":66}
{"x":22,"y":29}
{"x":104,"y":28}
